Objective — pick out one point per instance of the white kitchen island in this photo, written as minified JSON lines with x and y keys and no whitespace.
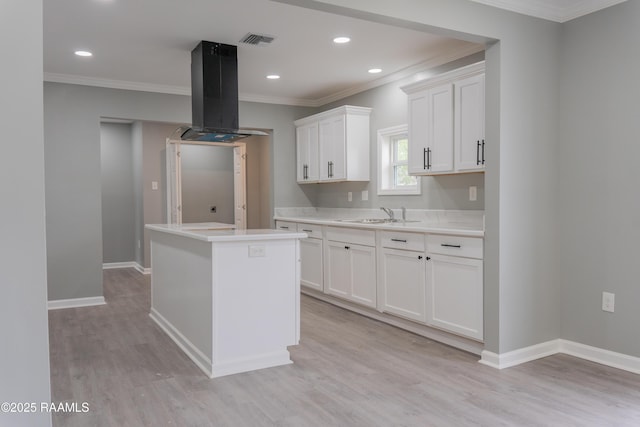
{"x":229,"y":298}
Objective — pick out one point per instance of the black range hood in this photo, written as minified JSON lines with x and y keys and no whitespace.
{"x":214,"y":94}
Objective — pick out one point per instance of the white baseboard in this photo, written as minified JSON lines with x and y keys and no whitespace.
{"x":538,"y":351}
{"x":142,"y":269}
{"x":198,"y":357}
{"x":110,"y":265}
{"x":602,"y":356}
{"x":75,"y":302}
{"x":128,"y":264}
{"x":522,"y":355}
{"x":260,"y":361}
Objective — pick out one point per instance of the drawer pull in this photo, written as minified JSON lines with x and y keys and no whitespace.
{"x":447,"y":245}
{"x":284,"y":227}
{"x":399,"y":240}
{"x":308,"y":231}
{"x":419,"y":256}
{"x":347,"y":247}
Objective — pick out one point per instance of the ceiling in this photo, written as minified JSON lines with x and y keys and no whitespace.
{"x":552,"y":10}
{"x":146,"y":45}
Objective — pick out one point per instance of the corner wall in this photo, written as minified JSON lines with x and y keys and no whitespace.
{"x":597,"y":198}
{"x":24,"y":371}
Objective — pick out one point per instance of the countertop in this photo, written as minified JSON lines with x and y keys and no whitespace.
{"x":219,"y":232}
{"x":417,"y":226}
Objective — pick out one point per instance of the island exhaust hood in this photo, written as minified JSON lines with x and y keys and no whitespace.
{"x":214,"y":95}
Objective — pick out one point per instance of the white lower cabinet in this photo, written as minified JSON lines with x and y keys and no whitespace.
{"x":402,"y":283}
{"x":311,"y":257}
{"x":455,"y":295}
{"x":350,"y":272}
{"x":432,"y":279}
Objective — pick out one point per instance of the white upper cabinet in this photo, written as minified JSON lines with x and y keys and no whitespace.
{"x":307,"y":153}
{"x":342,"y":139}
{"x":446,"y":122}
{"x":469,"y":124}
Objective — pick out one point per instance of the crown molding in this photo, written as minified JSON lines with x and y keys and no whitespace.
{"x":547,"y":10}
{"x":444,"y":55}
{"x":116,"y":84}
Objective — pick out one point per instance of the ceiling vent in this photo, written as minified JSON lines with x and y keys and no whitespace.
{"x":256,"y":39}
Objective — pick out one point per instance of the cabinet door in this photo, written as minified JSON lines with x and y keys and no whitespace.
{"x":337,"y":269}
{"x":332,"y":148}
{"x":350,"y":272}
{"x":363,"y":274}
{"x":403,"y":276}
{"x":455,"y":295}
{"x":469,"y":124}
{"x":307,"y":153}
{"x":311,"y":260}
{"x":418,"y":131}
{"x":440,"y":132}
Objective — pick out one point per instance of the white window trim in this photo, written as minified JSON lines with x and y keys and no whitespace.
{"x":384,"y":163}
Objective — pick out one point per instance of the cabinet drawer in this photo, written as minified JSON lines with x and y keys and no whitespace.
{"x":312,"y":230}
{"x":403,"y":240}
{"x":352,"y":235}
{"x":286,"y":225}
{"x":469,"y":247}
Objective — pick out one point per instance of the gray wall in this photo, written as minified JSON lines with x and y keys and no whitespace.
{"x":24,"y":367}
{"x":258,"y":176}
{"x":136,"y":140}
{"x":72,"y":169}
{"x":154,"y":154}
{"x":389,"y":104}
{"x":118,"y":193}
{"x":598,"y":203}
{"x":207,"y":180}
{"x":521,"y":285}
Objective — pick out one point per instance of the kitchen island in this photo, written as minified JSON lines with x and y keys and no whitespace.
{"x":229,"y":298}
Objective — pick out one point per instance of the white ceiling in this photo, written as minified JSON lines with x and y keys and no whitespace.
{"x":552,"y":10}
{"x":146,"y":45}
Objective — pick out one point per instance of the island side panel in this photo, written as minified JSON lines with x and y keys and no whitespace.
{"x":181,"y":275}
{"x":256,"y":304}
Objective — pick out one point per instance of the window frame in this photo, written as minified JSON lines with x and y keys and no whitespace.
{"x":387,"y":164}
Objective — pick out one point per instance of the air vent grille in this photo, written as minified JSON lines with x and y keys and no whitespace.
{"x":256,"y":39}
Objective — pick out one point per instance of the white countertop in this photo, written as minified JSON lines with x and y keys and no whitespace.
{"x":459,"y":223}
{"x":219,"y":232}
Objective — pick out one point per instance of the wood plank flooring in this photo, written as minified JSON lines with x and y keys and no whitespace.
{"x":348,"y":371}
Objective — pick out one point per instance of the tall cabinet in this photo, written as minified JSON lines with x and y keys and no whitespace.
{"x":446,"y":122}
{"x":333,"y":146}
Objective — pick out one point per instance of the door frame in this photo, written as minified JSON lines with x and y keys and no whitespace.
{"x":174,"y":180}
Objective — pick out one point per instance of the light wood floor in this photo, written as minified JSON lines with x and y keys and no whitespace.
{"x":347,"y":371}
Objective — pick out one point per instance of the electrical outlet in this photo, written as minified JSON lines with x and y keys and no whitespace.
{"x":213,"y":209}
{"x":349,"y":196}
{"x":138,"y":244}
{"x":154,"y":185}
{"x":608,"y":302}
{"x":473,"y":193}
{"x":365,"y":195}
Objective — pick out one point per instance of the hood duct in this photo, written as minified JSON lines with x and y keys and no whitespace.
{"x":214,"y":94}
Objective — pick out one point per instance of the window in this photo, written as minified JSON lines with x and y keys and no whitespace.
{"x":393,"y":157}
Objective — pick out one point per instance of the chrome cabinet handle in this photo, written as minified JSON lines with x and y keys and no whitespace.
{"x":483,"y":151}
{"x":478,"y":152}
{"x":399,"y":240}
{"x":284,"y":227}
{"x":447,"y":245}
{"x":308,"y":231}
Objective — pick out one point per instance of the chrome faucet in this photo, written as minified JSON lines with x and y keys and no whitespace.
{"x":388,"y":212}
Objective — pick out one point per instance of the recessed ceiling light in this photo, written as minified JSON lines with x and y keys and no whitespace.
{"x":83,"y":53}
{"x":341,"y":40}
{"x":375,"y":70}
{"x":273,"y":77}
